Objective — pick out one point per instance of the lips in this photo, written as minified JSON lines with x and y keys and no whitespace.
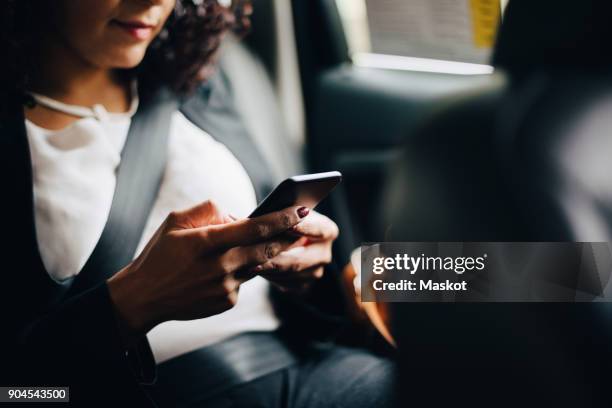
{"x":138,"y":30}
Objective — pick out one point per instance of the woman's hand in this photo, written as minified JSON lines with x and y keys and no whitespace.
{"x":187,"y":270}
{"x":303,"y":263}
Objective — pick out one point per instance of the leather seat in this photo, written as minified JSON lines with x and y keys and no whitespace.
{"x":258,"y":104}
{"x":527,"y":159}
{"x":264,"y":76}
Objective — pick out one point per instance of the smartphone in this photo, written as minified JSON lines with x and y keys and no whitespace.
{"x":306,"y":190}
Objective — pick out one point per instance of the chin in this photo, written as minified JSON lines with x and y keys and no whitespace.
{"x":125,"y":59}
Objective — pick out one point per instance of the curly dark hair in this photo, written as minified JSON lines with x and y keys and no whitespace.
{"x":180,"y":57}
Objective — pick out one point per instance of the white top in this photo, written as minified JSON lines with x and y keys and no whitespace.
{"x":74,"y":176}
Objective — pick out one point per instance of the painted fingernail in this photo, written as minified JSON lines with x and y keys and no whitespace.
{"x":303,"y":211}
{"x":258,"y":268}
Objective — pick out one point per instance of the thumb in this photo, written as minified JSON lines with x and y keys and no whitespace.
{"x":201,"y":215}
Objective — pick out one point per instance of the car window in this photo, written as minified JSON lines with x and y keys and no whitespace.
{"x":460,"y":31}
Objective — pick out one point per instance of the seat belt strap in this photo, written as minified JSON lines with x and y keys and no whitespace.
{"x":140,"y":172}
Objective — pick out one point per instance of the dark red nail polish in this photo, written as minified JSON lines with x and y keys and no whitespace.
{"x":303,"y":211}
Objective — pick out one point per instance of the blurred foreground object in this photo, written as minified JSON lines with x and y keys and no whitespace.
{"x":364,"y":313}
{"x":526,"y":160}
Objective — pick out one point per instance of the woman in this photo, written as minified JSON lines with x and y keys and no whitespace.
{"x":79,"y":73}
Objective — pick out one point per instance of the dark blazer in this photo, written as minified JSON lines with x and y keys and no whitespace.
{"x":51,"y":336}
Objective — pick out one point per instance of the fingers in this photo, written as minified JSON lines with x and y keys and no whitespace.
{"x":318,"y":227}
{"x":230,"y":218}
{"x":299,"y":281}
{"x":240,"y":258}
{"x":203,"y":214}
{"x":297,"y":259}
{"x":218,"y":296}
{"x":251,"y":230}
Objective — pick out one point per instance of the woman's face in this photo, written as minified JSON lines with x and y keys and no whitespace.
{"x":110,"y":33}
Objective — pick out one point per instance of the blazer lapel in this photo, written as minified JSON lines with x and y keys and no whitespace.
{"x":22,"y":262}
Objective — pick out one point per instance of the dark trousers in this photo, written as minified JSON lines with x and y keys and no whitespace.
{"x":325,"y":376}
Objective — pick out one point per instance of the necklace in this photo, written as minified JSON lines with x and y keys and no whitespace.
{"x":97,"y":111}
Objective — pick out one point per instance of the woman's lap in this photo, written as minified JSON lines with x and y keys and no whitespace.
{"x":326,"y":377}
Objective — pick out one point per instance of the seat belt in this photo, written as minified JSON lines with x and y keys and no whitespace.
{"x":142,"y":166}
